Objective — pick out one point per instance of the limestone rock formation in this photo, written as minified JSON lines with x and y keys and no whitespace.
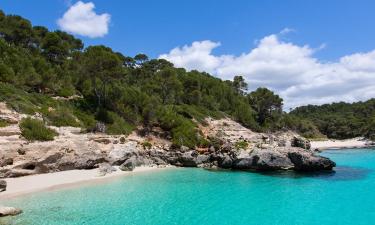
{"x":233,"y":147}
{"x":308,"y":162}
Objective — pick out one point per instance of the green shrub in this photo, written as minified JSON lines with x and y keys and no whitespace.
{"x":3,"y":123}
{"x":62,"y":117}
{"x":87,"y":120}
{"x":118,"y":126}
{"x":146,"y":145}
{"x":215,"y":142}
{"x":65,"y":92}
{"x":203,"y":143}
{"x":104,"y":116}
{"x":241,"y":145}
{"x":185,"y":134}
{"x":35,"y":130}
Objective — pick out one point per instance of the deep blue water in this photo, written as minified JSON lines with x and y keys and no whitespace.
{"x":197,"y":196}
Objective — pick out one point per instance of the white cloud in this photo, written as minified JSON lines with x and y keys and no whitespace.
{"x":286,"y":68}
{"x":81,"y":19}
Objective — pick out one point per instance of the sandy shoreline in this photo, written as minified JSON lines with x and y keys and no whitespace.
{"x":65,"y":179}
{"x":340,"y":144}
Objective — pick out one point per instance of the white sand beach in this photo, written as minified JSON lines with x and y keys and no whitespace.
{"x":64,"y":179}
{"x":348,"y":143}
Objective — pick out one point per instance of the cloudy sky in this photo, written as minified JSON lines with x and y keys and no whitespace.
{"x":309,"y":52}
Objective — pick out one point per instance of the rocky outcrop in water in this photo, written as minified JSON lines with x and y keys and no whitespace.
{"x":310,"y":162}
{"x":9,"y":211}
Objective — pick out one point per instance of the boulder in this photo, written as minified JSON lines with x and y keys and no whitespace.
{"x":184,"y":149}
{"x":7,"y":173}
{"x":89,"y":161}
{"x":135,"y":161}
{"x":310,"y":162}
{"x":122,"y":152}
{"x":263,"y":160}
{"x":9,"y":211}
{"x":6,"y":162}
{"x":31,"y":166}
{"x":300,"y":142}
{"x":158,"y":161}
{"x":201,"y":159}
{"x":225,"y":162}
{"x":188,"y":159}
{"x":100,"y":127}
{"x":106,"y":168}
{"x":3,"y":185}
{"x":129,"y":164}
{"x":21,"y":151}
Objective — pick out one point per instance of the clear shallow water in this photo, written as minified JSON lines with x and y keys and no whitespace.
{"x":197,"y":196}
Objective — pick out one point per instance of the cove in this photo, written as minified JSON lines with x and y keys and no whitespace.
{"x":197,"y":196}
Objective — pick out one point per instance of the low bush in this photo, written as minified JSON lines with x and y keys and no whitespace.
{"x":241,"y":145}
{"x":62,"y":117}
{"x":146,"y":145}
{"x":35,"y":130}
{"x":118,"y":125}
{"x":3,"y":123}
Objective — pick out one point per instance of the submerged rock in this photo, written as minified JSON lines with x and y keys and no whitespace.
{"x":9,"y":211}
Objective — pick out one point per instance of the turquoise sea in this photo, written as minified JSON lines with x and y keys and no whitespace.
{"x":197,"y":196}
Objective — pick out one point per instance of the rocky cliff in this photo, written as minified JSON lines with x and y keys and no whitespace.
{"x":235,"y":147}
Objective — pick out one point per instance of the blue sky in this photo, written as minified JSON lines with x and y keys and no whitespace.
{"x":154,"y":27}
{"x":311,"y":51}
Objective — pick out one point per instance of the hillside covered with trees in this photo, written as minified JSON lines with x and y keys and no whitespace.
{"x":38,"y":67}
{"x":341,"y":120}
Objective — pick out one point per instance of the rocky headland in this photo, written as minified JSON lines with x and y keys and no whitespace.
{"x":235,"y":147}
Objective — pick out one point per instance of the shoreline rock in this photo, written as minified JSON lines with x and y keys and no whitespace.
{"x":9,"y":211}
{"x":74,"y":150}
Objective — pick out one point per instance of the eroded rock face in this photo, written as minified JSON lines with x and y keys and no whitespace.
{"x":9,"y":211}
{"x":72,"y":149}
{"x":189,"y":159}
{"x":263,"y":160}
{"x":309,"y":162}
{"x":225,"y":162}
{"x":120,"y":153}
{"x":130,"y":164}
{"x":300,"y":143}
{"x":106,"y":168}
{"x":3,"y":185}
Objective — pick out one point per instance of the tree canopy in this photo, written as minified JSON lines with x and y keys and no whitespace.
{"x":127,"y":92}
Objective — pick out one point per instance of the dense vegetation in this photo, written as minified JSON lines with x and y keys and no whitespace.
{"x":122,"y":92}
{"x":341,"y":120}
{"x":35,"y":130}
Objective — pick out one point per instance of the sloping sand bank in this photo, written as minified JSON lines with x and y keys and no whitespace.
{"x":348,"y":143}
{"x":50,"y":181}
